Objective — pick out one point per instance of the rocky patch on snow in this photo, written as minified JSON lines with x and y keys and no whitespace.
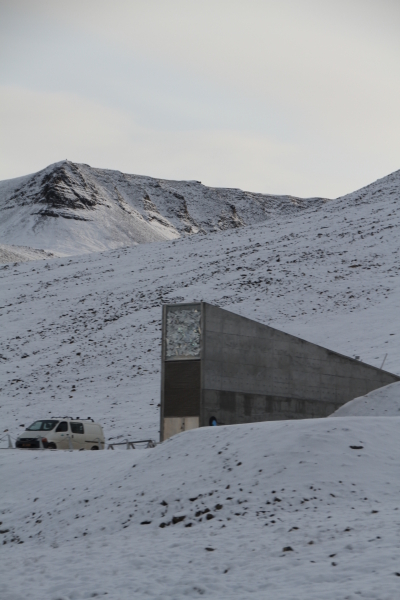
{"x":16,"y":254}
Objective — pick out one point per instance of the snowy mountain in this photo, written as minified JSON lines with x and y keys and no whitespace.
{"x":301,"y":509}
{"x":82,"y":335}
{"x":72,"y":209}
{"x":69,"y":209}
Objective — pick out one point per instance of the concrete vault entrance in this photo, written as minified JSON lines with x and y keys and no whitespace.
{"x":218,"y":365}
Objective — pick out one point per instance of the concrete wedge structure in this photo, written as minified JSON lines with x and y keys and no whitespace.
{"x":219,"y":367}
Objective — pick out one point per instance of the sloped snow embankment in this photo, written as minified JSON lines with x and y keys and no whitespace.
{"x":295,"y":509}
{"x":384,"y":402}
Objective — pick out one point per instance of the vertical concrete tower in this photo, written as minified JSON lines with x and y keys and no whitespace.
{"x":182,"y":350}
{"x":220,"y":366}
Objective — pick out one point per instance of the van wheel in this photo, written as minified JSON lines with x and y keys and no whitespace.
{"x":94,"y":448}
{"x":52,"y":446}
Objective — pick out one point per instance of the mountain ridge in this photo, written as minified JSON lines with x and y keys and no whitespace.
{"x":70,"y":208}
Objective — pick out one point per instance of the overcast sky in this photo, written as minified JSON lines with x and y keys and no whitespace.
{"x":274,"y":96}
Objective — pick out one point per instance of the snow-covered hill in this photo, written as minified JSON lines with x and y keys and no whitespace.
{"x":305,"y":510}
{"x":82,"y":335}
{"x":383,"y":402}
{"x":299,"y":509}
{"x":70,"y":209}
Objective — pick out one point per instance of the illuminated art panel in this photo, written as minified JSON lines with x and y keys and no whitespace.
{"x":183,"y":332}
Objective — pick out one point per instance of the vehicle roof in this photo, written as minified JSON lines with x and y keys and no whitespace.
{"x":72,"y":419}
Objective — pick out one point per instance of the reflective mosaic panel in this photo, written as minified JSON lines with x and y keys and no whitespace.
{"x":183,"y":332}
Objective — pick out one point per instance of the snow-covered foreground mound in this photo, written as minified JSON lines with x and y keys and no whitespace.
{"x":295,"y":509}
{"x":384,"y":402}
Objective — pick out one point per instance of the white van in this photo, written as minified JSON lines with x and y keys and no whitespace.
{"x":63,"y":434}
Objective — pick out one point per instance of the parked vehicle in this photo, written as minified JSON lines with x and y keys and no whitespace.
{"x":63,"y":433}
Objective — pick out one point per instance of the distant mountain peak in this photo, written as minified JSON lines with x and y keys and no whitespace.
{"x":69,"y":208}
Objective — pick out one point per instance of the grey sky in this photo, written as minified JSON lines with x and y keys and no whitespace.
{"x":280,"y":96}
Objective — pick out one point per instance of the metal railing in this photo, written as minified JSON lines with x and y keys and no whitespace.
{"x":9,"y":440}
{"x":131,"y":444}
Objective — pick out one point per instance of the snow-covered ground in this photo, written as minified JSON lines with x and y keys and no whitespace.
{"x":383,"y":402}
{"x":305,"y":510}
{"x":81,"y":336}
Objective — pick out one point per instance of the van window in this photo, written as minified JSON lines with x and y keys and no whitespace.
{"x":77,"y":428}
{"x":63,"y":426}
{"x":42,"y":425}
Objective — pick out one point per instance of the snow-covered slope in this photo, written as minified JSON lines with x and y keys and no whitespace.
{"x":72,"y":208}
{"x":387,"y":187}
{"x":301,"y":509}
{"x":82,"y":335}
{"x":305,"y":510}
{"x":10,"y":254}
{"x":384,"y":402}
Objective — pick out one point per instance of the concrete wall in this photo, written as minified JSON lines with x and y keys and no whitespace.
{"x":252,"y":372}
{"x":174,"y":425}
